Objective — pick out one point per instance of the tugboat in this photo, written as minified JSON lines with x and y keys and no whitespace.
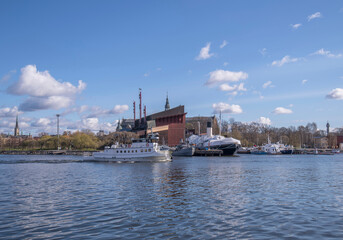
{"x":141,"y":150}
{"x":184,"y":149}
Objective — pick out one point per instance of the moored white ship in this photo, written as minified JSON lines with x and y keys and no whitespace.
{"x":229,"y":146}
{"x":141,"y":150}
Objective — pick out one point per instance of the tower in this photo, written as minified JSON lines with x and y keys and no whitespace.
{"x":58,"y":131}
{"x":327,"y":128}
{"x":167,"y":106}
{"x":16,"y":129}
{"x":119,"y":127}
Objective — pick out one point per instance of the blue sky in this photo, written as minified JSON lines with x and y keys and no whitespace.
{"x":278,"y":62}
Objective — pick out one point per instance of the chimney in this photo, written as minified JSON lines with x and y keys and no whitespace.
{"x":209,"y":129}
{"x":140,"y":106}
{"x":134,"y":112}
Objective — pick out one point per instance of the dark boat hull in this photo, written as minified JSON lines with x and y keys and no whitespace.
{"x":228,"y":149}
{"x":288,"y":151}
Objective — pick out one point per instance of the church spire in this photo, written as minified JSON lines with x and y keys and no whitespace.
{"x":167,"y":107}
{"x":16,"y":129}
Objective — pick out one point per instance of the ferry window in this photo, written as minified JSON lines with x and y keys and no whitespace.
{"x":141,"y":150}
{"x":149,"y":150}
{"x":121,"y":151}
{"x":124,"y":151}
{"x":136,"y":150}
{"x":128,"y":151}
{"x":145,"y":150}
{"x":117,"y":151}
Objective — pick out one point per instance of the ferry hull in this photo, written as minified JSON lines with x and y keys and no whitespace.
{"x":131,"y":160}
{"x":162,"y":157}
{"x":188,"y":152}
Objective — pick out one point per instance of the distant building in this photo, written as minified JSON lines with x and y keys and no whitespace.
{"x":101,"y":133}
{"x":327,"y":128}
{"x":198,"y":125}
{"x":321,"y":142}
{"x":125,"y":125}
{"x":340,"y":142}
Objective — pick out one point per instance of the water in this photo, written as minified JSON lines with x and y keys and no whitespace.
{"x":249,"y":197}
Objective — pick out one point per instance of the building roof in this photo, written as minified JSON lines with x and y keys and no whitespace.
{"x":180,"y":110}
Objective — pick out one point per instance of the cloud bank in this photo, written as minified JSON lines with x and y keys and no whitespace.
{"x":43,"y":90}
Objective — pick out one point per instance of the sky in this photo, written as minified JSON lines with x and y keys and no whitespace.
{"x":275,"y":62}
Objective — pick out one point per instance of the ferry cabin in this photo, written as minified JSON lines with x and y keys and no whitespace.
{"x":139,"y":147}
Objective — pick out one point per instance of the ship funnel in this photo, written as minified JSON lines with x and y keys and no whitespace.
{"x":209,"y":129}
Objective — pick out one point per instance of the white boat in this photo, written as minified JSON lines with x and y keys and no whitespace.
{"x":141,"y":150}
{"x":229,"y":146}
{"x":269,"y":148}
{"x":266,"y":149}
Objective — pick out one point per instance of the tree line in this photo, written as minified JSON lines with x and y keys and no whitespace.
{"x":80,"y":140}
{"x":253,"y":133}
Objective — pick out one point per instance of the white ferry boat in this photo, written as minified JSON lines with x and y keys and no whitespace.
{"x":141,"y":150}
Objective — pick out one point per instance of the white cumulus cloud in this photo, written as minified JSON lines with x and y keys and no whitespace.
{"x":205,"y":52}
{"x":226,"y":108}
{"x":91,"y":123}
{"x":263,"y":51}
{"x":323,"y":52}
{"x":282,"y":110}
{"x":42,"y":103}
{"x":336,"y":93}
{"x":8,"y":112}
{"x":44,"y":91}
{"x":284,"y":60}
{"x":267,"y":84}
{"x":227,"y":88}
{"x":223,"y":44}
{"x":42,"y":84}
{"x":41,"y":122}
{"x":296,"y":26}
{"x":98,"y":111}
{"x":304,"y":81}
{"x":313,"y":16}
{"x":220,"y":75}
{"x":264,"y":121}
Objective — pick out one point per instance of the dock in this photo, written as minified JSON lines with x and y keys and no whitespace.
{"x":211,"y":152}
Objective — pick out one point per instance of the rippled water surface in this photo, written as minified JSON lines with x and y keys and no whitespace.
{"x":250,"y":197}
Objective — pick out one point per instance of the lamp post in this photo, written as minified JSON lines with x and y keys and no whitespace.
{"x":58,"y":131}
